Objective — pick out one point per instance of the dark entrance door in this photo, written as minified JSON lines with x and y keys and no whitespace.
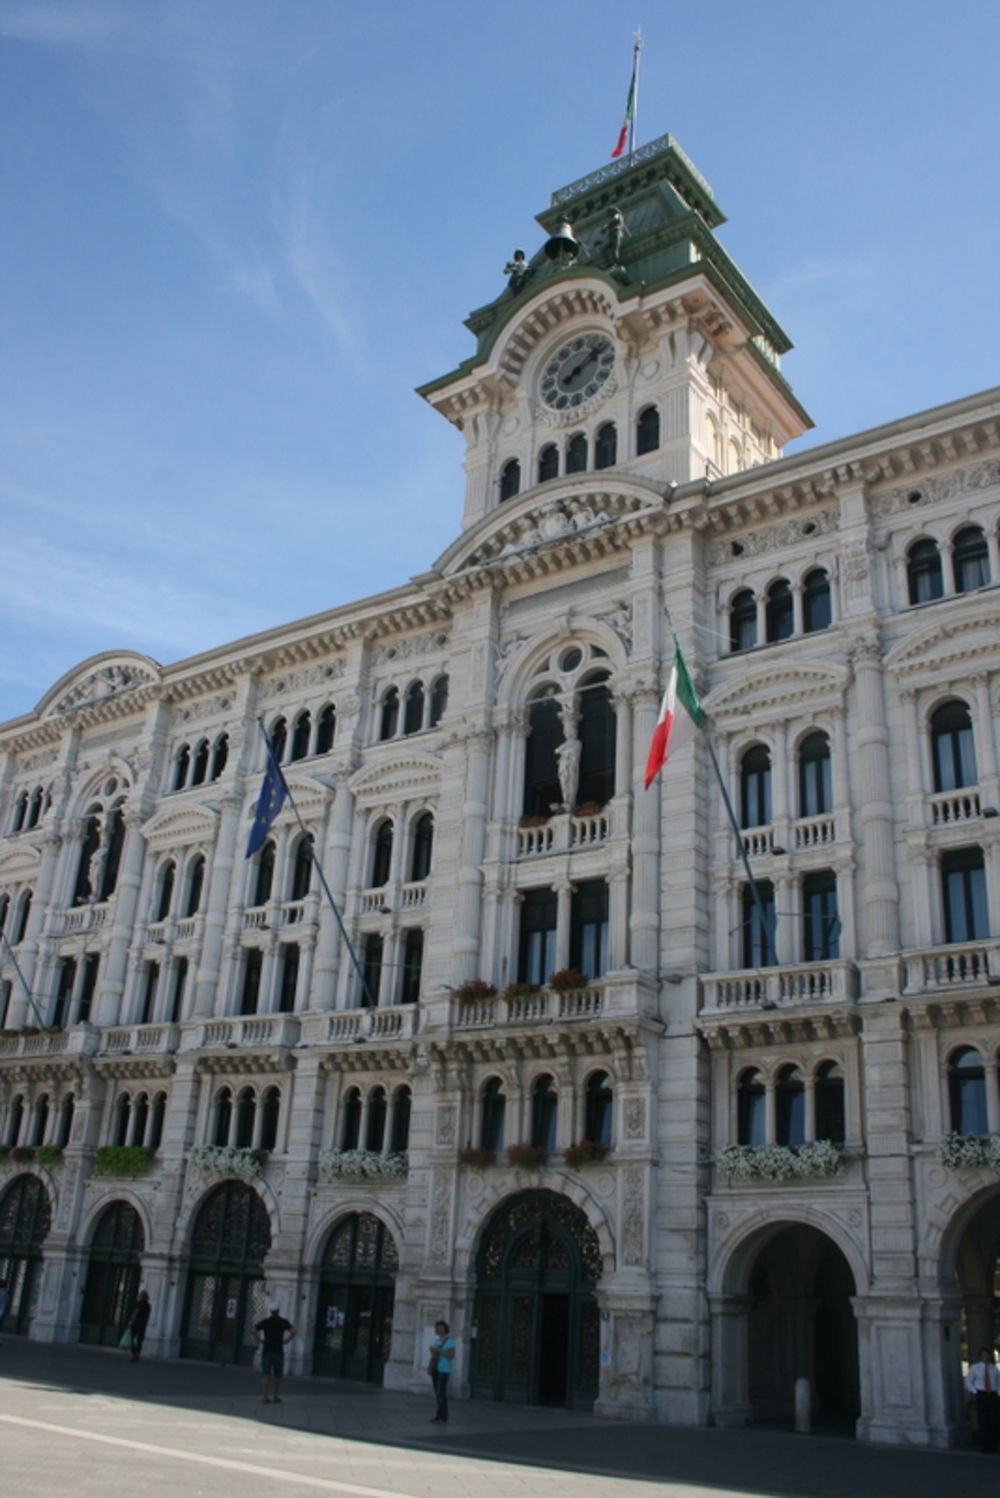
{"x":536,"y":1315}
{"x":226,"y":1291}
{"x":25,"y":1220}
{"x":113,"y":1273}
{"x":356,"y":1300}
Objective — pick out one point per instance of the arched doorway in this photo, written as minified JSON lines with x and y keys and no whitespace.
{"x":113,"y":1274}
{"x":226,"y":1293}
{"x":536,"y":1318}
{"x":977,"y":1269}
{"x":25,"y":1220}
{"x":801,"y":1325}
{"x":357,"y":1293}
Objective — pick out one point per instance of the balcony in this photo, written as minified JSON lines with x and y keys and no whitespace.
{"x":395,"y":1022}
{"x":956,"y":968}
{"x":81,"y":919}
{"x":140,"y":1040}
{"x":563,"y":833}
{"x":243,"y":1032}
{"x":618,"y":995}
{"x":951,"y":807}
{"x":779,"y":987}
{"x":81,"y":1040}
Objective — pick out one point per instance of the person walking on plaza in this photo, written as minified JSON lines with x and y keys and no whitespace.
{"x":137,"y":1323}
{"x":442,"y":1350}
{"x":983,"y":1381}
{"x":272,"y":1333}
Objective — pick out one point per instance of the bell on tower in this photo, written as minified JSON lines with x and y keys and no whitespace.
{"x":563,"y":244}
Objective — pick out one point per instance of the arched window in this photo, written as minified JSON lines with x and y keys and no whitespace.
{"x":815,"y":784}
{"x":253,"y":966}
{"x":371,"y":969}
{"x":220,"y":755}
{"x":123,"y":1116}
{"x":279,"y":739}
{"x":157,"y":1116}
{"x":790,"y":1106}
{"x":350,"y":1131}
{"x":413,"y":711}
{"x":743,"y":621}
{"x":166,"y":893}
{"x":758,"y":924}
{"x":751,"y":1109}
{"x":829,"y":1095}
{"x":439,"y":700}
{"x":537,"y":948}
{"x":65,"y":1130}
{"x":952,"y":748}
{"x":223,"y":1116}
{"x":140,"y":1118}
{"x":598,"y":1108}
{"x":270,"y":1111}
{"x":541,"y":777}
{"x":596,"y":730}
{"x":381,"y":854}
{"x":576,"y":454}
{"x":816,"y":610}
{"x":588,"y":927}
{"x":246,"y":1118}
{"x":820,"y":918}
{"x":35,"y":809}
{"x":20,"y":811}
{"x":182,"y":766}
{"x":195,"y":886}
{"x":199,"y":770}
{"x":647,"y":431}
{"x":548,"y":462}
{"x":970,"y":559}
{"x":21,"y":923}
{"x":399,"y":1141}
{"x":963,"y":887}
{"x":264,"y":881}
{"x":177,"y":999}
{"x":378,"y":1108}
{"x":606,"y":445}
{"x":923,"y":571}
{"x":390,"y":714}
{"x":288,"y":977}
{"x":544,"y":1108}
{"x":755,"y":787}
{"x":967,"y":1092}
{"x":326,"y":729}
{"x":301,"y":734}
{"x":492,"y":1114}
{"x":115,"y":843}
{"x":423,"y":847}
{"x":302,"y":866}
{"x":15,"y":1118}
{"x":510,"y":479}
{"x":40,"y":1121}
{"x":779,"y":611}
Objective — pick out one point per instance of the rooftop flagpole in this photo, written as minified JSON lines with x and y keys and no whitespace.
{"x":275,"y":770}
{"x":636,"y":51}
{"x":626,"y":135}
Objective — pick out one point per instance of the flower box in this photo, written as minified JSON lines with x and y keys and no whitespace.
{"x":473,"y":989}
{"x":521,"y":990}
{"x":973,"y":1151}
{"x":48,"y":1155}
{"x":780,"y":1162}
{"x":526,"y":1156}
{"x":362,"y":1165}
{"x":588,"y":809}
{"x":22,"y":1154}
{"x":226,"y":1160}
{"x":586,"y":1152}
{"x":129,"y":1160}
{"x":566,"y":979}
{"x":532,"y":821}
{"x":477,"y":1157}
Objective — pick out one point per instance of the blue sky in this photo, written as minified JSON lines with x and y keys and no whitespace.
{"x":237,"y":233}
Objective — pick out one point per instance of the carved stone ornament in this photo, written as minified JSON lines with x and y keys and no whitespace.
{"x":635,"y":1118}
{"x":413,"y":645}
{"x":929,"y":489}
{"x":289,"y":683}
{"x":554,"y":522}
{"x":107,"y":681}
{"x":633,"y":1220}
{"x":776,"y":537}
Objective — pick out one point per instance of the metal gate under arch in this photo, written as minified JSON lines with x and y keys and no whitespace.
{"x":537,"y":1329}
{"x":226,"y":1291}
{"x":113,"y":1274}
{"x":357,"y":1293}
{"x":25,"y":1220}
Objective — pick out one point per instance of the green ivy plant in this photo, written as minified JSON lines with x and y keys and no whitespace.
{"x":128,"y":1160}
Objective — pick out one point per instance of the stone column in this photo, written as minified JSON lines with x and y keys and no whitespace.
{"x":109,"y":998}
{"x":644,"y":924}
{"x":874,"y":802}
{"x":564,"y":915}
{"x":330,"y":942}
{"x":474,"y":809}
{"x":216,"y":904}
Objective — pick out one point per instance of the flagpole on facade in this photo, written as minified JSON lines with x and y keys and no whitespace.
{"x":637,"y":49}
{"x":365,"y":990}
{"x":21,"y":978}
{"x":727,"y":802}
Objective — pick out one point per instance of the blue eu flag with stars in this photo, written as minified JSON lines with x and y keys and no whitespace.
{"x":269,"y":802}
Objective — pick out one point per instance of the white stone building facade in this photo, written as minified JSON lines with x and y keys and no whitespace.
{"x":783,"y":1120}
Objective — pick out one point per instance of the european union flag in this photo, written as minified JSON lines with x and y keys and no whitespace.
{"x":269,"y":802}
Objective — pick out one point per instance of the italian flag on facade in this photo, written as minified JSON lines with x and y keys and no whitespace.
{"x":680,"y":686}
{"x":627,"y":122}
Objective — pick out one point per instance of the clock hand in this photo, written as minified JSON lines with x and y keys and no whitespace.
{"x":583,"y":364}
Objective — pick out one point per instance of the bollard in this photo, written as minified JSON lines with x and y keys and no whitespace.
{"x":803,"y":1406}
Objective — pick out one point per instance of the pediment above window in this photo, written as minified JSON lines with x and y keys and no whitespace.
{"x":19,"y":863}
{"x":398,"y":776}
{"x":955,"y":640}
{"x":771,"y":690}
{"x":181,"y":826}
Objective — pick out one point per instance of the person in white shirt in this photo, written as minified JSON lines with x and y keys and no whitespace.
{"x":983,"y":1381}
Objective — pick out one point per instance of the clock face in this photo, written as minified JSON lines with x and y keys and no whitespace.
{"x":577,"y":371}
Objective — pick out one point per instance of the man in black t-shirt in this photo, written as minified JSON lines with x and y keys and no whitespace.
{"x":272,"y":1333}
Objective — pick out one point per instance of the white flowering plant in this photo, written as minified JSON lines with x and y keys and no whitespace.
{"x":780,"y":1162}
{"x":362,"y":1165}
{"x":973,"y":1150}
{"x":227,"y":1160}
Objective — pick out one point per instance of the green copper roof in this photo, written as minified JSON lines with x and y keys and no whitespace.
{"x":669,"y":215}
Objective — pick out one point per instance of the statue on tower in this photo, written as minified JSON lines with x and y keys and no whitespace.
{"x":518,"y":272}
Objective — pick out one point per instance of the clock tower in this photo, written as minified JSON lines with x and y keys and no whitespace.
{"x":627,"y":340}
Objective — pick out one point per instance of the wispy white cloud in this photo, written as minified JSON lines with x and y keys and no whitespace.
{"x":59,"y":25}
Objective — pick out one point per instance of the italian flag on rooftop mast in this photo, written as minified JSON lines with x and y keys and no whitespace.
{"x":680,"y":686}
{"x":628,"y":123}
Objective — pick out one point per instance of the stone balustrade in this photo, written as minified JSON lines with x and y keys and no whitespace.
{"x":779,"y":987}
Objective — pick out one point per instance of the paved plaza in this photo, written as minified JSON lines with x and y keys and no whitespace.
{"x":88,"y":1423}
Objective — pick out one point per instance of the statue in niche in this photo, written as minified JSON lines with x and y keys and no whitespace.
{"x":96,"y":867}
{"x":568,"y":769}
